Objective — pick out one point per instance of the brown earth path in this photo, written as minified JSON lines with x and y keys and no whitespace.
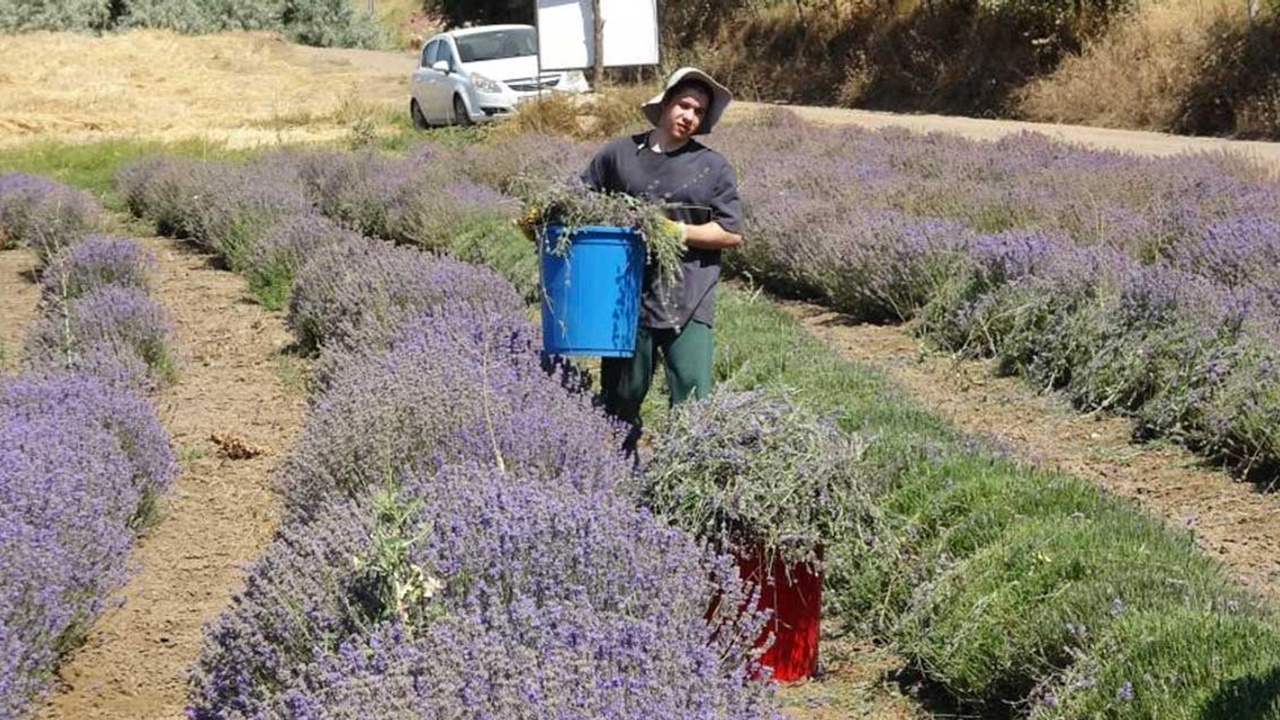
{"x":1231,"y":520}
{"x":219,"y":515}
{"x":18,"y":295}
{"x":1140,"y":142}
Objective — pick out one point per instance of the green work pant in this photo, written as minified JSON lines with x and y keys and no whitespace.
{"x":686,"y":357}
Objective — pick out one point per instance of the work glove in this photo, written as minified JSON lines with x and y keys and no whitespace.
{"x":528,"y":224}
{"x":673,"y":227}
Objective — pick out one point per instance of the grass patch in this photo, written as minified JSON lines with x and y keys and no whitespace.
{"x":295,"y":374}
{"x":188,"y":454}
{"x":609,"y":113}
{"x":90,"y":166}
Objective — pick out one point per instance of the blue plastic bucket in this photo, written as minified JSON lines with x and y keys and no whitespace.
{"x":591,"y":295}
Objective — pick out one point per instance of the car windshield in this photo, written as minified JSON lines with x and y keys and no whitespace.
{"x":497,"y":45}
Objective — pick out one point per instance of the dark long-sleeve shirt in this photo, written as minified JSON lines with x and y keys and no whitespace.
{"x":698,"y":185}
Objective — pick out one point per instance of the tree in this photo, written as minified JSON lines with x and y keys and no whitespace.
{"x":483,"y":12}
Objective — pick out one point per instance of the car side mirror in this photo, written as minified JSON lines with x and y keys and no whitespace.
{"x":441,"y":66}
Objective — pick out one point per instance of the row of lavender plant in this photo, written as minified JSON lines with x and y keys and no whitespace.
{"x":83,"y":457}
{"x":1136,"y":285}
{"x":460,"y":538}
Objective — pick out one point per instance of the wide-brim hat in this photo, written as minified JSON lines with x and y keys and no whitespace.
{"x":720,"y":97}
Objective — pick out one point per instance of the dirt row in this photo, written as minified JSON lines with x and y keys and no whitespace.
{"x":18,"y":296}
{"x":220,"y":513}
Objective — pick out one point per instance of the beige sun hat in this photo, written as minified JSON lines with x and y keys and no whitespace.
{"x":719,"y":101}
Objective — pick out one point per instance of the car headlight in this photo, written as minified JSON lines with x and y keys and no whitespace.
{"x":484,"y":84}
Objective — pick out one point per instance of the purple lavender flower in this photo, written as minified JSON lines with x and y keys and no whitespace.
{"x":44,"y":214}
{"x":97,"y":261}
{"x":111,"y":320}
{"x":480,"y":361}
{"x":360,"y":294}
{"x":275,"y":259}
{"x":79,"y":466}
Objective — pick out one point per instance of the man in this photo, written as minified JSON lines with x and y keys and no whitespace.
{"x":667,"y":165}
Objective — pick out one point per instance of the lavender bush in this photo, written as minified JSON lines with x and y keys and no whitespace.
{"x":97,"y":261}
{"x":359,"y":294}
{"x":223,"y":207}
{"x":126,"y":417}
{"x":235,"y":206}
{"x":80,"y":464}
{"x":357,"y":190}
{"x":550,"y":601}
{"x":116,"y":322}
{"x":18,"y":192}
{"x":272,"y":263}
{"x":43,"y":214}
{"x":480,"y":362}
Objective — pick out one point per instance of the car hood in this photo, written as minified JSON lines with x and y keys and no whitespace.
{"x":507,"y":68}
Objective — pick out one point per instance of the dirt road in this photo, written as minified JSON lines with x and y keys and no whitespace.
{"x":1133,"y":141}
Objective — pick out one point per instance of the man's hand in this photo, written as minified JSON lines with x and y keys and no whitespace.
{"x":710,"y":236}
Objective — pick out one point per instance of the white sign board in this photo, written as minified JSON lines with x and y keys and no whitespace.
{"x":565,"y":33}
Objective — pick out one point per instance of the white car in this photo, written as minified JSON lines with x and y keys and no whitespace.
{"x":481,"y":73}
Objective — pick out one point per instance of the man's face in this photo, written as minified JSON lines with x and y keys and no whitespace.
{"x":682,"y":115}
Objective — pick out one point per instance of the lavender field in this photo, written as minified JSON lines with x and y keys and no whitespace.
{"x":1143,"y":287}
{"x":454,"y":563}
{"x":83,"y":457}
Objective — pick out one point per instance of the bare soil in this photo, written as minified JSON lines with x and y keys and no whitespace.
{"x":1230,"y":520}
{"x":856,"y":680}
{"x":220,"y":514}
{"x":18,"y":296}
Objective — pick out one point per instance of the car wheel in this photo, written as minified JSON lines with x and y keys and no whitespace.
{"x":460,"y":114}
{"x":415,"y":112}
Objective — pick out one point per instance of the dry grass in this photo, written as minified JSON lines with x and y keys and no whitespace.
{"x":242,"y":88}
{"x":1134,"y":76}
{"x":598,"y":116}
{"x":1185,"y":66}
{"x":913,"y":55}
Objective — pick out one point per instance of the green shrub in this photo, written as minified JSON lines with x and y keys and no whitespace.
{"x":324,"y":23}
{"x":328,"y":23}
{"x":189,"y":17}
{"x":194,"y":17}
{"x":32,"y":15}
{"x":995,"y":625}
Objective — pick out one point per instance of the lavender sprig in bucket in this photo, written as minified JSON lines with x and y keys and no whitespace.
{"x":574,"y":205}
